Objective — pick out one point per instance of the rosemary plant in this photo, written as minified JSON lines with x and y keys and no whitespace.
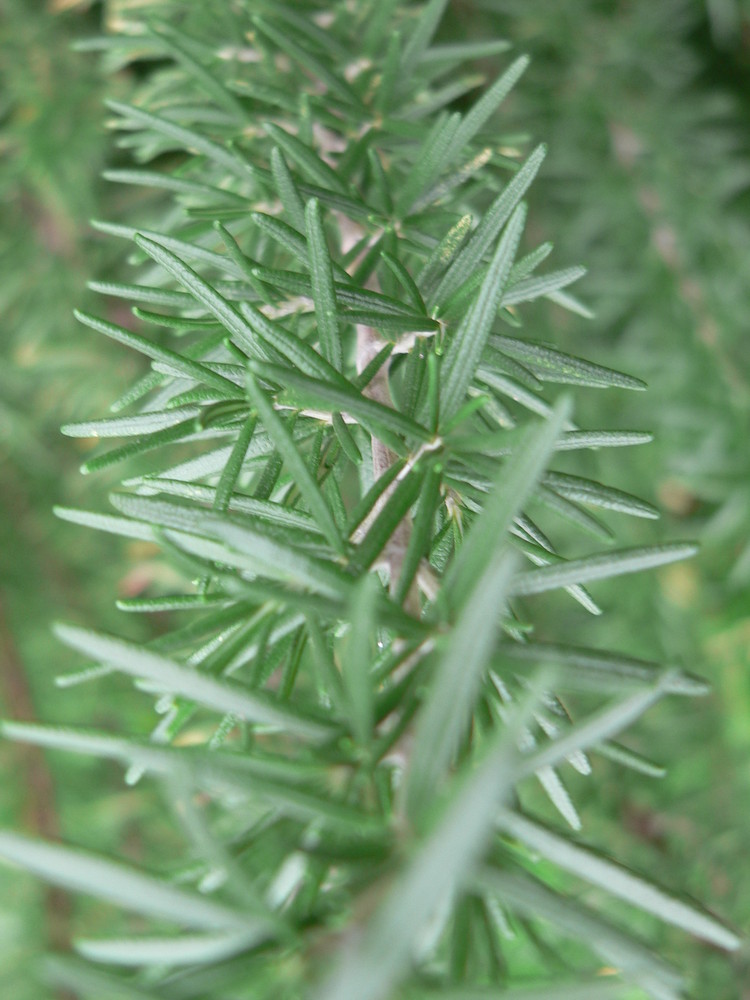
{"x":353,"y":445}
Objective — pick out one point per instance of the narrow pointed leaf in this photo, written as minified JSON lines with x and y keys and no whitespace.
{"x":143,"y":423}
{"x":288,"y":191}
{"x":211,"y":85}
{"x":339,"y":398}
{"x":530,"y":898}
{"x":296,"y":350}
{"x":116,"y":883}
{"x":600,"y":567}
{"x":467,"y":344}
{"x":296,"y":464}
{"x":317,"y":68}
{"x":511,"y":489}
{"x":175,"y":679}
{"x":556,"y":366}
{"x":187,"y":367}
{"x":357,"y":657}
{"x":226,"y":314}
{"x":456,"y":682}
{"x":421,"y":36}
{"x":618,"y":881}
{"x":603,"y":670}
{"x":472,"y":254}
{"x":371,"y":967}
{"x":187,"y":949}
{"x":489,"y":102}
{"x":187,"y":138}
{"x":307,"y":160}
{"x":322,"y":285}
{"x":596,"y":495}
{"x":535,"y":288}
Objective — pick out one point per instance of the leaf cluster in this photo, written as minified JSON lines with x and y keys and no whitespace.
{"x":345,"y":441}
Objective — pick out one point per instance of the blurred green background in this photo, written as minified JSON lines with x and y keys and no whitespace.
{"x":646,"y":108}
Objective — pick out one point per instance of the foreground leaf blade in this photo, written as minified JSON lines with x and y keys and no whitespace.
{"x":172,"y":678}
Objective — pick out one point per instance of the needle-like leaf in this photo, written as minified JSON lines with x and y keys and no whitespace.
{"x":118,"y":884}
{"x":617,"y":880}
{"x":600,"y":567}
{"x":169,"y":677}
{"x":468,"y":342}
{"x":307,"y":484}
{"x":322,"y":285}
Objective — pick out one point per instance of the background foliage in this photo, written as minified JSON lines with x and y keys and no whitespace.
{"x":645,"y":109}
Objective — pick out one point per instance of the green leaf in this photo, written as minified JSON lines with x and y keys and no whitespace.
{"x":172,"y":602}
{"x":420,"y":536}
{"x":107,"y":522}
{"x":406,"y":281}
{"x":513,"y":486}
{"x":172,"y":678}
{"x":373,"y":494}
{"x":322,"y":286}
{"x":265,"y":510}
{"x":529,"y":897}
{"x":250,"y":546}
{"x":463,"y":52}
{"x":142,"y":293}
{"x":186,"y":138}
{"x":357,"y":657}
{"x":168,"y":182}
{"x":391,"y":65}
{"x":283,"y":234}
{"x":233,"y":468}
{"x":503,"y":442}
{"x":187,"y":367}
{"x":171,"y":40}
{"x":600,"y":989}
{"x":346,"y":294}
{"x":419,"y":39}
{"x":116,"y":883}
{"x":602,"y":670}
{"x":227,"y":315}
{"x":457,"y":679}
{"x":346,"y":440}
{"x":616,"y":880}
{"x":296,"y":350}
{"x":535,"y":288}
{"x":553,"y":365}
{"x":600,"y":567}
{"x":192,"y":251}
{"x":602,"y":439}
{"x":313,"y":392}
{"x":143,"y":423}
{"x":598,"y":727}
{"x":187,"y":949}
{"x":370,"y":967}
{"x":305,"y":481}
{"x":297,"y":788}
{"x":446,"y":184}
{"x":489,"y":102}
{"x":467,"y":344}
{"x":596,"y":495}
{"x":288,"y":191}
{"x":430,"y":159}
{"x":307,"y":160}
{"x":317,"y":69}
{"x":471,"y":256}
{"x":444,"y":253}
